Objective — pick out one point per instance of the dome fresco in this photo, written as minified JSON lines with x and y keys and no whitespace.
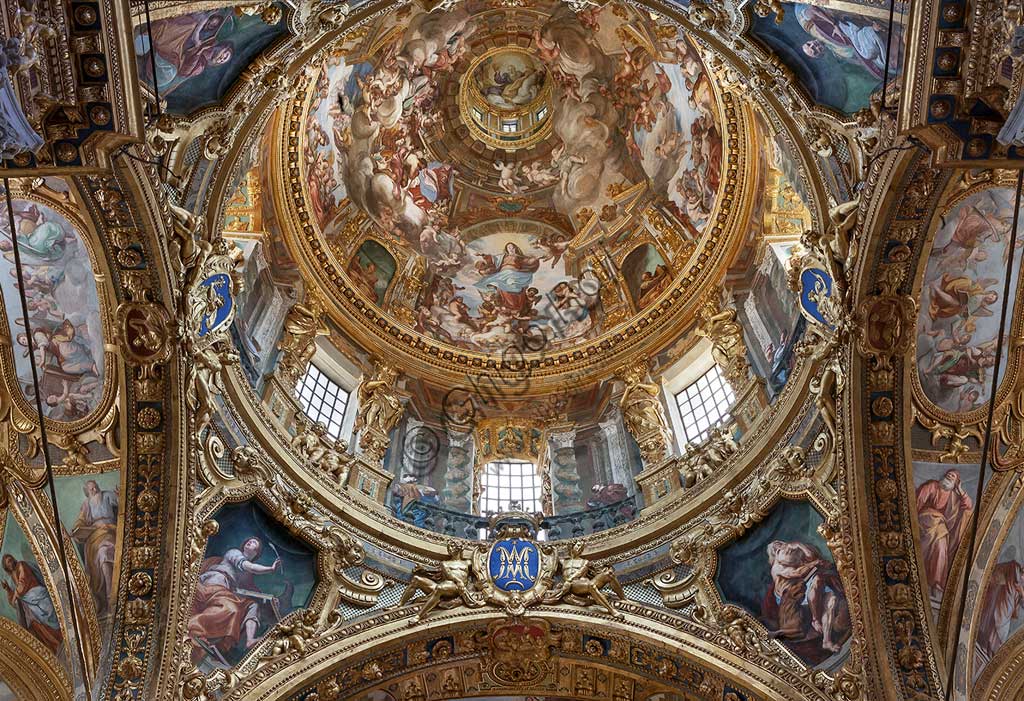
{"x":600,"y":123}
{"x":514,"y":350}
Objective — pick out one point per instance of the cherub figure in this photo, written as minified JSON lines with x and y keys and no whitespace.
{"x":507,"y":177}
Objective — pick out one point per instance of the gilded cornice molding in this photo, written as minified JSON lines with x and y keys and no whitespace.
{"x":356,"y":645}
{"x":653,"y":527}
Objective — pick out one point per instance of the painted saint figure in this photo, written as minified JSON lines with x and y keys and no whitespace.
{"x":943,"y":511}
{"x":226,"y":609}
{"x":848,"y":40}
{"x":27,"y":593}
{"x":807,"y":598}
{"x":38,"y":236}
{"x":95,"y":531}
{"x":184,"y":47}
{"x":1004,"y":602}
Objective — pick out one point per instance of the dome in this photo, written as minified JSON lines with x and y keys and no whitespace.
{"x":473,"y":191}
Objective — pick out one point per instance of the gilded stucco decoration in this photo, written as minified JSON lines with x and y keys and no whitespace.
{"x":511,"y":231}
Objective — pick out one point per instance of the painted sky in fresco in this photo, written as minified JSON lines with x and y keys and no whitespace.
{"x":960,"y":300}
{"x":64,"y":311}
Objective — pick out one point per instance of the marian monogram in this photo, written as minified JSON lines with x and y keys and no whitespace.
{"x":513,"y":564}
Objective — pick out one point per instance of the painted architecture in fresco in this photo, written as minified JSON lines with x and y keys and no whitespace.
{"x":64,"y":311}
{"x":783,"y":573}
{"x":646,"y":274}
{"x":960,"y":301}
{"x":371,"y":270}
{"x":838,"y":56}
{"x":26,"y":599}
{"x":198,"y":56}
{"x":254,"y":573}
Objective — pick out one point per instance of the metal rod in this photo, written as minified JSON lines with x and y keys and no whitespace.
{"x":58,"y":530}
{"x":986,"y":441}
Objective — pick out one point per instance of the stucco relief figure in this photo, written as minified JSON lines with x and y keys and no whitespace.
{"x":1004,"y":603}
{"x":302,"y":325}
{"x":226,"y":610}
{"x":645,"y":417}
{"x":943,"y":512}
{"x":95,"y":531}
{"x":806,"y":600}
{"x":726,"y":335}
{"x":581,"y":584}
{"x":444,"y":585}
{"x":379,"y":405}
{"x":27,"y":593}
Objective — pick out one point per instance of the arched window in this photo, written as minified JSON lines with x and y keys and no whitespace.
{"x":704,"y":403}
{"x":323,"y":400}
{"x":509,"y":485}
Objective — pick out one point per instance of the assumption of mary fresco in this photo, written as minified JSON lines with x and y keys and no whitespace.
{"x":64,"y":311}
{"x":961,"y":296}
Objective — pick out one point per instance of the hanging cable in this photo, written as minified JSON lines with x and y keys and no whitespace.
{"x":58,"y":530}
{"x":986,"y":441}
{"x":152,"y":60}
{"x":888,"y":50}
